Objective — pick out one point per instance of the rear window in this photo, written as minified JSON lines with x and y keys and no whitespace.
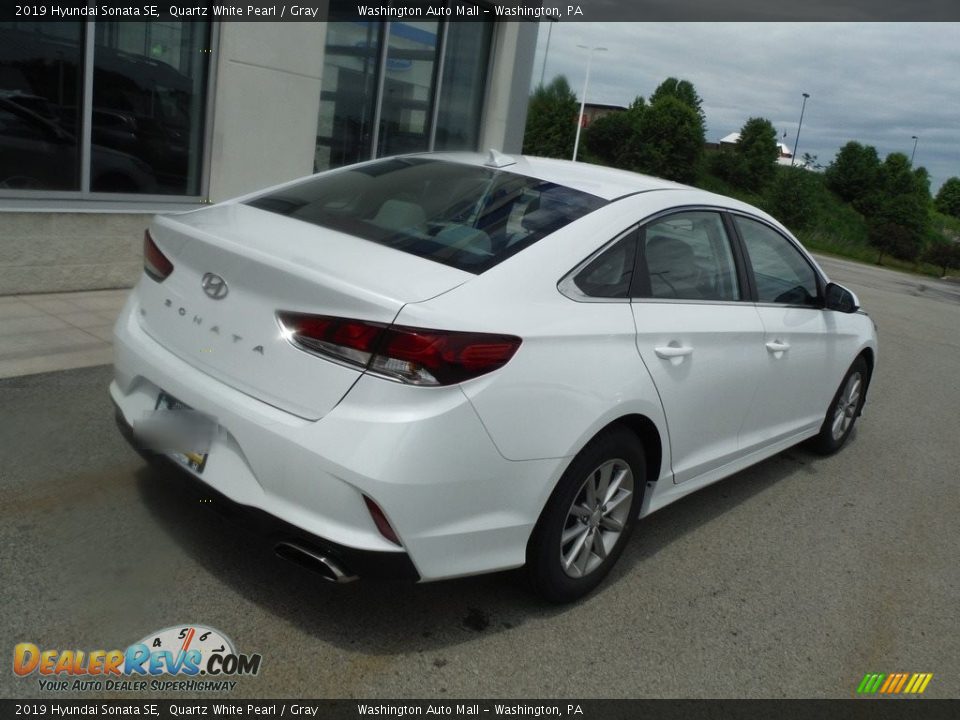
{"x":465,"y":216}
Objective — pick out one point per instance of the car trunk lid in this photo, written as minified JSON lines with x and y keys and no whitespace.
{"x":235,"y":266}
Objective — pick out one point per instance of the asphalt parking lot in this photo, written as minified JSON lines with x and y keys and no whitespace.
{"x":791,"y":579}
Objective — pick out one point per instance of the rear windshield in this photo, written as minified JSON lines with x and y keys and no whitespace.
{"x":465,"y":216}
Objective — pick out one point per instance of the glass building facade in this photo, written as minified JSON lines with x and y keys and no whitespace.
{"x":400,"y":87}
{"x":103,"y":108}
{"x":103,"y":123}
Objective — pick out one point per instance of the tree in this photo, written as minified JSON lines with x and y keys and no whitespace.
{"x":671,"y":140}
{"x":809,"y":161}
{"x":904,"y":196}
{"x":900,"y":210}
{"x":794,"y":197}
{"x":551,"y":120}
{"x":948,"y":198}
{"x":752,"y":164}
{"x":944,"y":255}
{"x":683,"y":91}
{"x":854,"y":174}
{"x":890,"y":238}
{"x":613,"y":139}
{"x":922,"y":181}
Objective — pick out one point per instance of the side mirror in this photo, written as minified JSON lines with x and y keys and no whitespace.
{"x":837,"y":297}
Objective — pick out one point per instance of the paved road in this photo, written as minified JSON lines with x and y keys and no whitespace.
{"x":791,"y":579}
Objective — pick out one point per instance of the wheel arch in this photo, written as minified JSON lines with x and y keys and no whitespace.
{"x":646,"y":432}
{"x":867,"y":355}
{"x":868,"y":358}
{"x":641,"y":427}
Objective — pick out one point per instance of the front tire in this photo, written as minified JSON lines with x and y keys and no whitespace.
{"x":589,"y":517}
{"x":844,"y":409}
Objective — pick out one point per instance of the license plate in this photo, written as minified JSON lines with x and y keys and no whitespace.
{"x":180,"y":432}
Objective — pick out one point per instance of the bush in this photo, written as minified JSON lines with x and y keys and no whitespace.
{"x":794,"y":197}
{"x":752,"y":163}
{"x":854,"y":174}
{"x":671,"y":140}
{"x":944,"y":255}
{"x":758,"y":153}
{"x":614,"y":138}
{"x":948,"y":199}
{"x":892,"y":239}
{"x":551,"y":120}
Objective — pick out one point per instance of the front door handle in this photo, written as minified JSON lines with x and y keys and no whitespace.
{"x":674,"y":353}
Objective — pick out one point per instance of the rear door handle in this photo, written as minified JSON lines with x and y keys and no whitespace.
{"x":673,"y":351}
{"x":777,"y":347}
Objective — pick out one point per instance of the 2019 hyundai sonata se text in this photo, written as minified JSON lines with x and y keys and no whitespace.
{"x":448,"y":364}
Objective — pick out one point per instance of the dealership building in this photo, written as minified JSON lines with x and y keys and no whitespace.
{"x":104,"y":123}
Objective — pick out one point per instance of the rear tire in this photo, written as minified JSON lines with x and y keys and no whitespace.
{"x":844,"y":409}
{"x":589,"y":517}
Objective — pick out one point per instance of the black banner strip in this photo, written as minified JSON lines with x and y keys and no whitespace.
{"x":466,"y":709}
{"x":466,"y":11}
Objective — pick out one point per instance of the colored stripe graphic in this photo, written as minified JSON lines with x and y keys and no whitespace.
{"x":870,"y":683}
{"x":891,"y":681}
{"x":903,"y":679}
{"x":894,"y":683}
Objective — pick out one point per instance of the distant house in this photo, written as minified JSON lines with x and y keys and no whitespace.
{"x":595,"y":111}
{"x":785,"y":158}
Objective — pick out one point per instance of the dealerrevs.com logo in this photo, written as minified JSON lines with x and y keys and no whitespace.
{"x":205,"y":658}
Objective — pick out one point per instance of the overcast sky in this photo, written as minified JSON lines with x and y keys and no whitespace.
{"x":877,"y":83}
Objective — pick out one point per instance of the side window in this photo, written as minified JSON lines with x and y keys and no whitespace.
{"x":688,"y":257}
{"x":781,"y":272}
{"x":609,"y":274}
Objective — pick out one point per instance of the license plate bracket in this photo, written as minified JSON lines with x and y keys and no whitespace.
{"x":190,"y":430}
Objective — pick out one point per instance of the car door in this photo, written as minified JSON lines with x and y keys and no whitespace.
{"x":699,"y":336}
{"x":797,"y":381}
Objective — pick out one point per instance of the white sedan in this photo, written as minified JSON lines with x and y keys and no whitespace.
{"x":447,"y":364}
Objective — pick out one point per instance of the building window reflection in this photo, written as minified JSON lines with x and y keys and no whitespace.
{"x":345,"y":127}
{"x":146,"y":114}
{"x":41,"y":83}
{"x":400,"y":87}
{"x":408,"y":88}
{"x":463,"y":85}
{"x":149,"y":82}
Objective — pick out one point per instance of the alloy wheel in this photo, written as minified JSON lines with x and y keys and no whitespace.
{"x":847,"y":405}
{"x":596,"y":518}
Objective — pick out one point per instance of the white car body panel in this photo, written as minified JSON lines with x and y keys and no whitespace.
{"x":725,"y":342}
{"x":462,"y":472}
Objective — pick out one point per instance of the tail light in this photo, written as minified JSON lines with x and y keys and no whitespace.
{"x":155,"y":263}
{"x":412,"y":355}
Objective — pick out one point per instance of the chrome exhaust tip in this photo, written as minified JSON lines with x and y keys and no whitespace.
{"x":322,"y":565}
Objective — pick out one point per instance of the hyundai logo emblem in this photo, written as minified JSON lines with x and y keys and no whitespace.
{"x":214,"y":286}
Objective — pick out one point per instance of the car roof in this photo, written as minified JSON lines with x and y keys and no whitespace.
{"x":605,"y":182}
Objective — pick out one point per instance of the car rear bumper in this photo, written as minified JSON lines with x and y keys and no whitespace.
{"x":351,"y":561}
{"x":421,"y":454}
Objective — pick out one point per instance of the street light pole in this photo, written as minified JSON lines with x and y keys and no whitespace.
{"x":799,"y":125}
{"x":915,"y":141}
{"x":546,"y":52}
{"x":583,"y":98}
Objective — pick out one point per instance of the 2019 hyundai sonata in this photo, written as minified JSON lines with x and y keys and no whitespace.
{"x":447,"y":364}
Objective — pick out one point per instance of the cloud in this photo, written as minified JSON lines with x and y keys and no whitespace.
{"x":876,"y":83}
